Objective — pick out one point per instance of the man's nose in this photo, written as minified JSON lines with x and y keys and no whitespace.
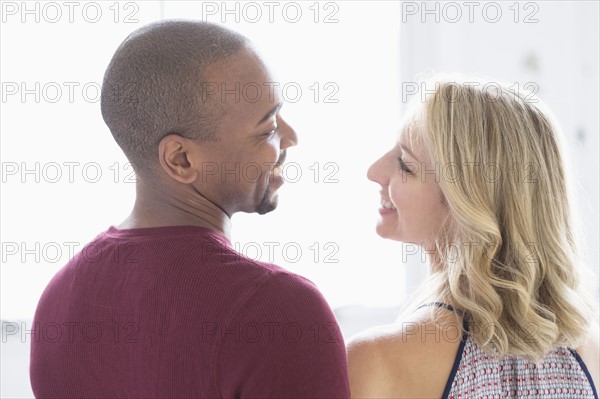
{"x":289,"y":138}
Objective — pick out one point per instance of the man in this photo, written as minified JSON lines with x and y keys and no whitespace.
{"x":162,"y":306}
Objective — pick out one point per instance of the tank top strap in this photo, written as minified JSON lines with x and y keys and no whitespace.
{"x":443,"y":305}
{"x":461,"y":347}
{"x":452,"y":309}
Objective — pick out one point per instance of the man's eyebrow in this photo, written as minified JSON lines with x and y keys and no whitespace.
{"x":269,"y":114}
{"x":409,"y":151}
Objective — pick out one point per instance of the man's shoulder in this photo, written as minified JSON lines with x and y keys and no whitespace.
{"x":292,"y":304}
{"x":279,"y":284}
{"x":274,"y":279}
{"x":296,"y":344}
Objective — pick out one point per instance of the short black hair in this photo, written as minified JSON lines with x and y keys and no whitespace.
{"x":153,"y":86}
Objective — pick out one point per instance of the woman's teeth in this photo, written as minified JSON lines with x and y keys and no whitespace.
{"x":387,"y":204}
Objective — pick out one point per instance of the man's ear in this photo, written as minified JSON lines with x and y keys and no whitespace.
{"x":173,"y":155}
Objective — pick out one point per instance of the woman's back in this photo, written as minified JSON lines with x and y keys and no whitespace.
{"x":424,"y":359}
{"x":475,"y":374}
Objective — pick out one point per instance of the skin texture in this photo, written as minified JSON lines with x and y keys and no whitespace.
{"x":205,"y":183}
{"x":409,"y":359}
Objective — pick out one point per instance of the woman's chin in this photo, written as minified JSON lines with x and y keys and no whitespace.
{"x":388,"y":233}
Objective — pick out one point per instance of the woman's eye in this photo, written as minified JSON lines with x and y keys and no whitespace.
{"x":403,"y":166}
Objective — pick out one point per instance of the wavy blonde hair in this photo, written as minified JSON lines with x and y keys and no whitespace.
{"x":505,"y":180}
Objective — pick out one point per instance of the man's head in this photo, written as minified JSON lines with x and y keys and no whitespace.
{"x":195,"y":109}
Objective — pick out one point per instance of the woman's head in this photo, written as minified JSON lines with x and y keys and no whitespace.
{"x":470,"y":155}
{"x":488,"y":190}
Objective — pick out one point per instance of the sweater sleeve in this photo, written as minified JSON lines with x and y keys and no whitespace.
{"x":283,"y":343}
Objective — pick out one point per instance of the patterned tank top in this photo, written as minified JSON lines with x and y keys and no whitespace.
{"x":476,"y":375}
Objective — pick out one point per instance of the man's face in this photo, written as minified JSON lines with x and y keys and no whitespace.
{"x":240,"y":171}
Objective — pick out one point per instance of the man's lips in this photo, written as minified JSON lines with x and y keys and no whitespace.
{"x":276,"y":170}
{"x":281,"y":159}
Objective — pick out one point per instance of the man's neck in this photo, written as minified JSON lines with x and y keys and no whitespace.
{"x":156,"y":208}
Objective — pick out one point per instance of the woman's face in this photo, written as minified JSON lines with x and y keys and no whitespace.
{"x":412,"y":208}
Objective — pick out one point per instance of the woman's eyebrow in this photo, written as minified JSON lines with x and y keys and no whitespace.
{"x":409,"y":151}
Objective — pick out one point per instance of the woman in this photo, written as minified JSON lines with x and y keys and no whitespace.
{"x":478,"y":179}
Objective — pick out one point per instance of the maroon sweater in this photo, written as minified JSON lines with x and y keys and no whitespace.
{"x":175,"y":312}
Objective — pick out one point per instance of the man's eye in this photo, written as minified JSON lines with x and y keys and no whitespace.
{"x":272,"y":132}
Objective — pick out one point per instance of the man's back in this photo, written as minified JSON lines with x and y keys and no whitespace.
{"x":176,"y":312}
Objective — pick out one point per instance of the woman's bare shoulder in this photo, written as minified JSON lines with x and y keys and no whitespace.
{"x":411,"y":358}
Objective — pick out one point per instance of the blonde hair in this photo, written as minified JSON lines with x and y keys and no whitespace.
{"x":505,"y":181}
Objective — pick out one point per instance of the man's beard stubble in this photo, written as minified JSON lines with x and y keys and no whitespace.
{"x":266,"y":204}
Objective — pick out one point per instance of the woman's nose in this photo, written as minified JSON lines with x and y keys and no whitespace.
{"x":377,"y":171}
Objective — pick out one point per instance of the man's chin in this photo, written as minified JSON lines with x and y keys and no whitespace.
{"x":268,"y":203}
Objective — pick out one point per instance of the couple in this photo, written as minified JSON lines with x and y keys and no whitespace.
{"x":163,"y":307}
